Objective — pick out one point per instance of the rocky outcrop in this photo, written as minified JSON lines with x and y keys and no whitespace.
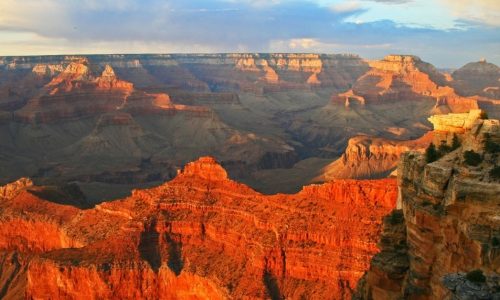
{"x":407,"y":77}
{"x":202,"y":233}
{"x":47,"y":70}
{"x":10,"y":190}
{"x":455,"y":123}
{"x":371,"y":157}
{"x":463,"y":288}
{"x":478,"y":78}
{"x":108,"y":80}
{"x":451,"y":215}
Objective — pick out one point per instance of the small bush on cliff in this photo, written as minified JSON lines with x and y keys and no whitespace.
{"x":455,"y":143}
{"x":396,"y":217}
{"x":490,"y":146}
{"x":472,"y":158}
{"x":495,"y":173}
{"x":426,"y":203}
{"x":431,"y":153}
{"x":495,"y":242}
{"x":476,"y":276}
{"x":484,"y":115}
{"x":443,"y":148}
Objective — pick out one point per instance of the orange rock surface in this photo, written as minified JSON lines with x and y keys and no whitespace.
{"x":448,"y":221}
{"x":372,"y":157}
{"x":198,"y":236}
{"x":405,"y":77}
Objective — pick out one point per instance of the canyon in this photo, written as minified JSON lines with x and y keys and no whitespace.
{"x":247,"y":176}
{"x":200,"y":235}
{"x":111,"y":123}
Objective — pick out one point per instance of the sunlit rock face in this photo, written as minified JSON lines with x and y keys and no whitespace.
{"x":405,"y":77}
{"x":372,"y":157}
{"x":116,"y":122}
{"x":449,"y":217}
{"x":198,"y":236}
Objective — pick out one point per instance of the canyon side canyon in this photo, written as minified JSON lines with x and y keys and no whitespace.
{"x":110,"y":123}
{"x":248,"y":176}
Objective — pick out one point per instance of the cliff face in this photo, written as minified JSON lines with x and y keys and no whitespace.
{"x":255,"y":73}
{"x":478,"y":78}
{"x":205,"y":235}
{"x":451,"y":217}
{"x":90,"y":124}
{"x":131,"y":120}
{"x":398,"y":77}
{"x":371,"y":157}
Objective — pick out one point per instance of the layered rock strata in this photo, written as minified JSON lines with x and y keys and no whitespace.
{"x":451,"y":216}
{"x":198,"y":236}
{"x":371,"y":157}
{"x":405,"y":77}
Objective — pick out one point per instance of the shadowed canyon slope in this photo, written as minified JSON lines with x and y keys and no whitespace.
{"x":112,"y":122}
{"x":202,"y":233}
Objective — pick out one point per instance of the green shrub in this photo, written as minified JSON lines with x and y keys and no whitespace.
{"x":431,"y":153}
{"x":396,"y":217}
{"x":490,"y":146}
{"x":484,"y":115}
{"x":472,"y":158}
{"x":476,"y":276}
{"x":455,"y":142}
{"x":495,"y":173}
{"x":495,"y":242}
{"x":444,"y":148}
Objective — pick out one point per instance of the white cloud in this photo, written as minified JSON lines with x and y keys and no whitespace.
{"x":317,"y":45}
{"x":481,"y":11}
{"x":346,"y":6}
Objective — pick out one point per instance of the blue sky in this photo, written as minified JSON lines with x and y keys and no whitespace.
{"x":447,"y":33}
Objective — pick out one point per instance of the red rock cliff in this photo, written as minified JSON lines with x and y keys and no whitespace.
{"x":198,"y":236}
{"x":398,"y":77}
{"x":448,"y":221}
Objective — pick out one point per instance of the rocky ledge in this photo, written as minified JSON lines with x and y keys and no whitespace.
{"x":450,"y":202}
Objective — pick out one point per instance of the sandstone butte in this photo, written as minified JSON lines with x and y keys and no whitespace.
{"x":447,"y":221}
{"x":372,"y":157}
{"x":199,"y":236}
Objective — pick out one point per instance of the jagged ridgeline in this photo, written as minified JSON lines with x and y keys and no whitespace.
{"x":205,"y":235}
{"x":200,"y":236}
{"x":332,"y":131}
{"x":110,"y":123}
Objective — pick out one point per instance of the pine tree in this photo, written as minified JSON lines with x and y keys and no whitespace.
{"x":431,"y":154}
{"x":455,"y":143}
{"x":443,"y":148}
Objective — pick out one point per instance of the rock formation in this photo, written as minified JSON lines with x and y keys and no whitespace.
{"x":130,"y":121}
{"x":371,"y":157}
{"x":407,"y":77}
{"x":202,"y":233}
{"x":478,"y":78}
{"x":464,"y":287}
{"x":449,"y":217}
